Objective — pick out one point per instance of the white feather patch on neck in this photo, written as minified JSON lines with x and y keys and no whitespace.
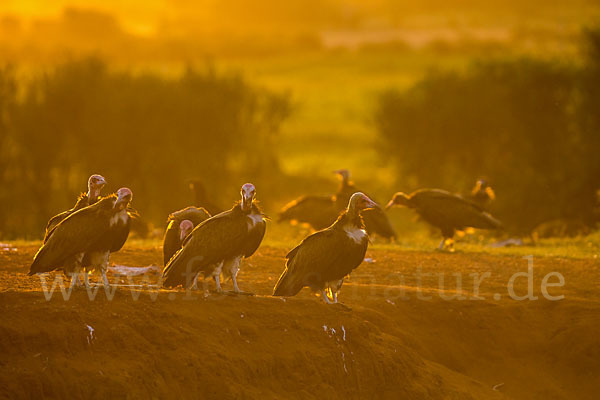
{"x":254,"y":219}
{"x":355,"y":233}
{"x":119,"y":217}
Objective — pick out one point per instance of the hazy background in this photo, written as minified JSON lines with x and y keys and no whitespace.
{"x":405,"y":94}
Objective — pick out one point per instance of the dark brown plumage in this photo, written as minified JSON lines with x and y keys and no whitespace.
{"x":323,"y":259}
{"x":173,"y":234}
{"x":375,"y":219}
{"x":482,"y":194}
{"x":95,"y":185}
{"x":81,"y":232}
{"x":446,"y":211}
{"x":317,"y":211}
{"x":219,"y":244}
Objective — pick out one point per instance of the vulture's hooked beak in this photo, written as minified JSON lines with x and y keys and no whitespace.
{"x":369,"y":204}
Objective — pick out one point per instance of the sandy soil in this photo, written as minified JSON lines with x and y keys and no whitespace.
{"x":394,"y":338}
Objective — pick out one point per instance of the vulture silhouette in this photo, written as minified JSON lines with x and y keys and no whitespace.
{"x":323,"y":259}
{"x":447,"y":211}
{"x":179,"y":225}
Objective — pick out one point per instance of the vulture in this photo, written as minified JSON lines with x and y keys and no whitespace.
{"x":95,"y":185}
{"x":201,"y":200}
{"x":179,"y":225}
{"x":375,"y":219}
{"x":482,"y":194}
{"x":112,"y":240}
{"x":317,"y":211}
{"x":323,"y":259}
{"x":81,"y":232}
{"x":446,"y":211}
{"x":219,"y":244}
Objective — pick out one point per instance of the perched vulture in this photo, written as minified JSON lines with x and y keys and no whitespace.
{"x":219,"y":244}
{"x":375,"y":219}
{"x":112,"y":240}
{"x":482,"y":194}
{"x":317,"y":211}
{"x":201,"y":200}
{"x":446,"y":211}
{"x":323,"y":259}
{"x":179,"y":225}
{"x":95,"y":185}
{"x":80,"y":233}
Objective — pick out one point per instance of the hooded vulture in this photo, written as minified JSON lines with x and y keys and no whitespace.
{"x":219,"y":244}
{"x":446,"y":211}
{"x":482,"y":194}
{"x":375,"y":219}
{"x":201,"y":200}
{"x":317,"y":211}
{"x":95,"y":185}
{"x":111,"y":241}
{"x":82,"y":232}
{"x":323,"y":259}
{"x":179,"y":225}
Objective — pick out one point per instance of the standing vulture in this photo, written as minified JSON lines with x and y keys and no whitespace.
{"x":317,"y":211}
{"x":112,"y":240}
{"x":80,"y":233}
{"x":219,"y":244}
{"x":375,"y":219}
{"x":201,"y":200}
{"x":446,"y":211}
{"x":323,"y":259}
{"x":482,"y":194}
{"x":95,"y":185}
{"x":179,"y":225}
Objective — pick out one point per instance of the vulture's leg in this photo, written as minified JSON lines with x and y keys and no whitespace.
{"x":326,"y":297}
{"x":217,"y":276}
{"x":104,"y":268}
{"x":195,"y":284}
{"x":218,"y":283}
{"x":86,"y":281}
{"x":335,"y":297}
{"x":233,"y":268}
{"x":442,"y":243}
{"x":74,"y":279}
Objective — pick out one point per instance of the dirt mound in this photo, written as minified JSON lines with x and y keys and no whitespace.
{"x":390,"y":344}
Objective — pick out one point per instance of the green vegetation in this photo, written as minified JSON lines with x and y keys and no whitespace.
{"x":146,"y":132}
{"x":527,"y":125}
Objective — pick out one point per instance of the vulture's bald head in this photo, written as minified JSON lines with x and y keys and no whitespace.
{"x":248,"y":193}
{"x":124,"y":197}
{"x":95,"y":184}
{"x":185,"y":227}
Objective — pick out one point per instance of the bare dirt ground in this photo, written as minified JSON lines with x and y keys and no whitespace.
{"x":401,"y":334}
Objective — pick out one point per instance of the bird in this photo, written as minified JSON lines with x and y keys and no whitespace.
{"x":179,"y":225}
{"x":97,"y":257}
{"x":447,"y":211}
{"x":95,"y":184}
{"x":317,"y":211}
{"x":482,"y":194}
{"x":322,"y":260}
{"x":375,"y":219}
{"x":80,"y":233}
{"x":201,"y":200}
{"x":219,"y":244}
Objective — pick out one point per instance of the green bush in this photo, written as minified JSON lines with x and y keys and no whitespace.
{"x":530,"y":126}
{"x":138,"y":130}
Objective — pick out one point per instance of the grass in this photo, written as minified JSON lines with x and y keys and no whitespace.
{"x":284,"y":236}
